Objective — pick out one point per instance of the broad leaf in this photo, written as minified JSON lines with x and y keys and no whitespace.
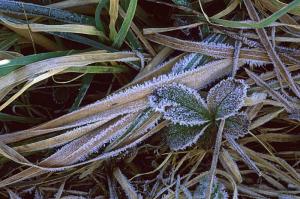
{"x":237,"y":125}
{"x":180,"y":104}
{"x":180,"y":137}
{"x":226,"y":98}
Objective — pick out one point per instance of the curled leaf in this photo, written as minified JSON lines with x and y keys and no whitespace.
{"x":180,"y":104}
{"x":237,"y":125}
{"x":226,"y":98}
{"x":180,"y":137}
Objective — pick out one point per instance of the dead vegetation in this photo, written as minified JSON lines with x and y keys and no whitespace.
{"x":149,"y":99}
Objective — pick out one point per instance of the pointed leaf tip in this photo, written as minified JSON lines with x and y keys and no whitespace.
{"x":227,"y":97}
{"x":180,"y":137}
{"x":180,"y":104}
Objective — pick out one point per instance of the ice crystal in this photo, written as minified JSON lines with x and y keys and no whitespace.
{"x":226,"y":98}
{"x":179,"y":104}
{"x":13,"y":195}
{"x":218,"y":192}
{"x":101,"y":138}
{"x":231,"y":140}
{"x":237,"y":125}
{"x":189,"y":115}
{"x":182,"y":2}
{"x":180,"y":137}
{"x":190,"y":61}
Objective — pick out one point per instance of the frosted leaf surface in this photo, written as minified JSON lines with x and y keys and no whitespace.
{"x":180,"y":137}
{"x":190,"y":61}
{"x":182,"y":2}
{"x":226,"y":98}
{"x":237,"y":125}
{"x":180,"y":104}
{"x":218,"y":191}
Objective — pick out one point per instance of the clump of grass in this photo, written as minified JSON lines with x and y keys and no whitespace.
{"x":149,"y":99}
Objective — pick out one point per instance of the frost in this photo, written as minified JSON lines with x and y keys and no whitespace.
{"x":182,"y":2}
{"x":255,"y":98}
{"x":218,"y":192}
{"x":110,"y":114}
{"x":180,"y":137}
{"x":237,"y":125}
{"x":13,"y":195}
{"x":193,"y":60}
{"x":226,"y":98}
{"x":100,"y":139}
{"x":255,"y":63}
{"x":245,"y":157}
{"x":179,"y":104}
{"x":286,"y":196}
{"x":190,"y":61}
{"x":139,"y":90}
{"x":38,"y":194}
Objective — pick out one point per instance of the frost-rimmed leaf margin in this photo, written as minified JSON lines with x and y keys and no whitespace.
{"x":179,"y":104}
{"x":226,"y":98}
{"x":237,"y":125}
{"x":180,"y":137}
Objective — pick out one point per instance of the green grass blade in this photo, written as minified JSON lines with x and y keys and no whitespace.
{"x":100,"y":6}
{"x":97,"y":69}
{"x":6,"y":66}
{"x":261,"y":24}
{"x":86,"y":82}
{"x":119,"y":39}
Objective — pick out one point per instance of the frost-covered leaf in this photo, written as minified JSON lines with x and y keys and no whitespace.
{"x":226,"y":98}
{"x":218,"y":192}
{"x":188,"y":62}
{"x":194,"y":60}
{"x":180,"y":104}
{"x":180,"y":137}
{"x":237,"y":125}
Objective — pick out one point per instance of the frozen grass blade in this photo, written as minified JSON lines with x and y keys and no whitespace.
{"x":213,"y":167}
{"x":279,"y":66}
{"x":37,"y":10}
{"x":212,"y":49}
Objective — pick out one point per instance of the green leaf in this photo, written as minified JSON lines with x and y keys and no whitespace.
{"x":261,"y":24}
{"x":100,"y":6}
{"x":226,"y":98}
{"x":6,"y":66}
{"x":237,"y":125}
{"x":98,"y":69}
{"x":180,"y":137}
{"x":180,"y":104}
{"x":86,"y":82}
{"x":119,"y":39}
